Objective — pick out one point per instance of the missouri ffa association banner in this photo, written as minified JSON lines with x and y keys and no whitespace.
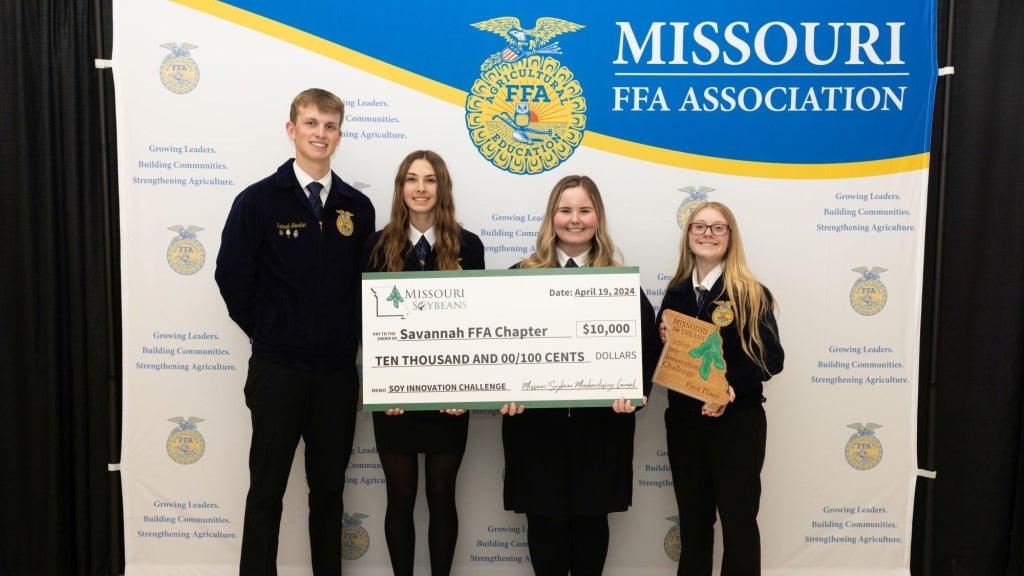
{"x":811,"y":120}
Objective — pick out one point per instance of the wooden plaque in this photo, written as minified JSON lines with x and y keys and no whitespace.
{"x":691,"y":362}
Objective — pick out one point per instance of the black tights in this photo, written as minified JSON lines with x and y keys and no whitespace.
{"x":561,"y":545}
{"x":402,"y":474}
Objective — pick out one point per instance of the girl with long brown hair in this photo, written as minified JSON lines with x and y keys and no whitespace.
{"x":422,"y":234}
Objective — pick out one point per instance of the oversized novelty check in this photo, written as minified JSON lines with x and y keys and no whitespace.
{"x":483,"y":338}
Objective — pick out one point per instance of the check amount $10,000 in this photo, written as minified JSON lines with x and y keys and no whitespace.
{"x":471,"y":349}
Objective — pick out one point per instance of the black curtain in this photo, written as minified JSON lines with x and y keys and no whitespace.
{"x":59,"y":307}
{"x":58,"y":506}
{"x":969,"y":519}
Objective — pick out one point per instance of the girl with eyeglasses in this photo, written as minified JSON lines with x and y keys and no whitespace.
{"x":717,"y":455}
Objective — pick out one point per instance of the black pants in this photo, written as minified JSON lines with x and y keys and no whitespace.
{"x":285,"y":404}
{"x":716,"y":467}
{"x":562,"y":545}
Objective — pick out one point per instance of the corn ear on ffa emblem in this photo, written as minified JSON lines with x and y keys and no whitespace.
{"x":526,"y":113}
{"x":185,"y":445}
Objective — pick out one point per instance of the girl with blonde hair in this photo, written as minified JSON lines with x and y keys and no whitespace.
{"x":568,"y":468}
{"x":716,"y":455}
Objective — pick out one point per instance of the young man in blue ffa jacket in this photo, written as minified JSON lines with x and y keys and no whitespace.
{"x":289,"y":272}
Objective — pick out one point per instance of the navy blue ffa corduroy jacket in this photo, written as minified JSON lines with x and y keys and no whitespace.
{"x":292,"y":287}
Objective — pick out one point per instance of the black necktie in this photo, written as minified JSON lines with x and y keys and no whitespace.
{"x":314,"y":198}
{"x":422,"y":249}
{"x":702,"y":293}
{"x":571,"y":263}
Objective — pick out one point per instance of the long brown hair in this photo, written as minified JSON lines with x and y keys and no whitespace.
{"x":750,"y":299}
{"x":602,"y":249}
{"x":393,"y":245}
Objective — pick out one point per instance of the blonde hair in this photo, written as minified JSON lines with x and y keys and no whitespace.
{"x":393,"y":245}
{"x":751,"y":301}
{"x":602,"y":249}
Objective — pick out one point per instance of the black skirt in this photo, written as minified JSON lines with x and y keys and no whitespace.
{"x":562,"y":461}
{"x":426,"y":431}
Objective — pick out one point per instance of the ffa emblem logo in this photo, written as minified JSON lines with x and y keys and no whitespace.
{"x":185,"y":445}
{"x":672,"y":543}
{"x":863,"y":450}
{"x":694,"y":196}
{"x":355,"y":540}
{"x":344,"y":223}
{"x":185,"y":255}
{"x":723,"y":315}
{"x":178,"y":71}
{"x":526,"y":113}
{"x":868,"y":295}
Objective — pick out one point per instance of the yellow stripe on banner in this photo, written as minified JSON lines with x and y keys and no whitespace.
{"x":327,"y":48}
{"x":756,"y":169}
{"x":594,"y":140}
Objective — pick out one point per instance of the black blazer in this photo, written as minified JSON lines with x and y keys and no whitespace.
{"x":744,"y":375}
{"x":471,"y":254}
{"x":575,"y":461}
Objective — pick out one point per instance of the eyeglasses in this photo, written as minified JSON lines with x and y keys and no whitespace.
{"x":699,"y":228}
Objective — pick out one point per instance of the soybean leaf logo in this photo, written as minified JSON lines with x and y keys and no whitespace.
{"x":395,"y":297}
{"x":709,"y":352}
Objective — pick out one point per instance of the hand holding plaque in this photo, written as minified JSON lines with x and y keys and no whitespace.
{"x":691,"y":362}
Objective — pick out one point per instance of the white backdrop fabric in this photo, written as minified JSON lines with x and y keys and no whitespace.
{"x":203,"y":90}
